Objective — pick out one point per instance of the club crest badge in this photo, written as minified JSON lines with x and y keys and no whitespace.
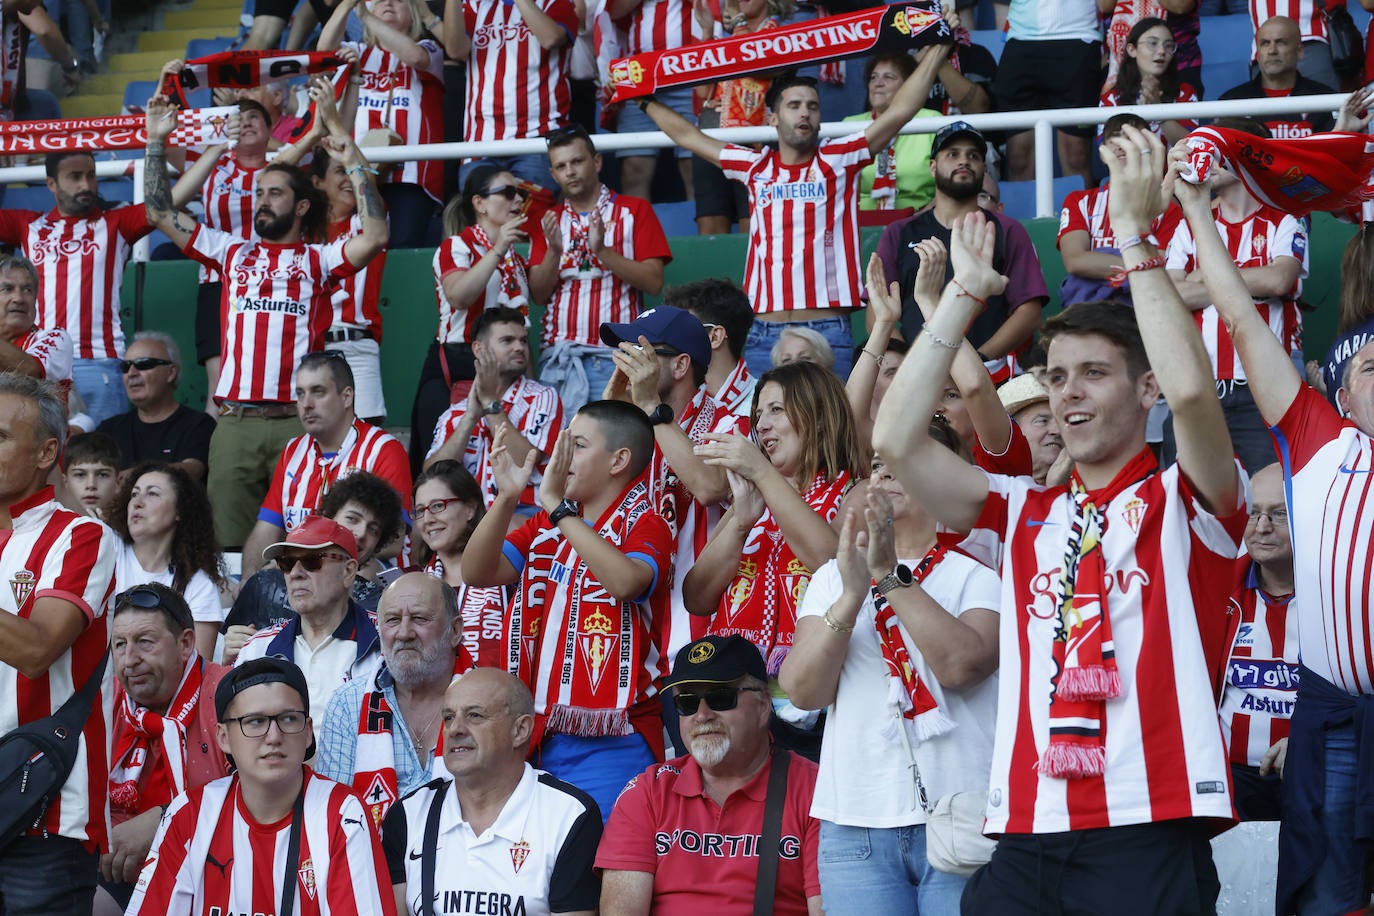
{"x":22,"y":586}
{"x":519,"y":852}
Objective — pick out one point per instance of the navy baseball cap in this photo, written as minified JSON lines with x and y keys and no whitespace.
{"x":666,"y":325}
{"x":950,"y":132}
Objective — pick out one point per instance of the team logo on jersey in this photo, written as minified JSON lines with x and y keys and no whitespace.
{"x":1257,"y":243}
{"x":599,"y":644}
{"x":519,"y":852}
{"x":1134,"y":513}
{"x":306,"y":873}
{"x":378,"y":798}
{"x":22,"y":586}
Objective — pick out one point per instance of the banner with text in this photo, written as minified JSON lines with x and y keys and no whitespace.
{"x":197,"y":127}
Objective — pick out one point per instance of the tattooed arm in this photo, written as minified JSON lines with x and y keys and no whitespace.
{"x":157,"y":188}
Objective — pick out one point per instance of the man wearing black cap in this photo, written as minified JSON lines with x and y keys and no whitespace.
{"x":660,"y":366}
{"x":227,"y":846}
{"x":958,"y":162}
{"x":704,"y":813}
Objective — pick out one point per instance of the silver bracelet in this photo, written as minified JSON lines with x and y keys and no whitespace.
{"x":939,"y":341}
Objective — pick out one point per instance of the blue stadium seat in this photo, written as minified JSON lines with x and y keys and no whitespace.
{"x":1018,"y":197}
{"x":28,"y":197}
{"x":203,"y":47}
{"x":137,"y":94}
{"x":992,"y":40}
{"x":1225,"y":44}
{"x":117,"y":190}
{"x":678,"y":218}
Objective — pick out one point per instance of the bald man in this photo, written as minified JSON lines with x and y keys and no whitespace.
{"x":507,"y":835}
{"x":1279,"y":50}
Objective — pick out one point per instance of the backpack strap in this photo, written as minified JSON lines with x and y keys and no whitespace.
{"x":772,"y":833}
{"x":293,"y":855}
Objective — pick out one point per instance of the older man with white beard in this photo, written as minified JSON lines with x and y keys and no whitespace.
{"x":380,"y":734}
{"x":704,"y":812}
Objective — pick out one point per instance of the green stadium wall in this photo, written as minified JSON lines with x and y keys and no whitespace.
{"x":161,"y":295}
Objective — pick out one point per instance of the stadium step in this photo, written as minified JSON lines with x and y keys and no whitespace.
{"x":133,"y":66}
{"x":235,"y":5}
{"x":224,"y":19}
{"x":174,"y":40}
{"x":114,"y":83}
{"x":92,"y":106}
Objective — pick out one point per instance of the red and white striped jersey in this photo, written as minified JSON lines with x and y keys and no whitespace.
{"x":811,"y":208}
{"x":210,"y":857}
{"x":1261,"y":238}
{"x":657,"y":25}
{"x":55,"y":553}
{"x":304,"y":474}
{"x":516,"y":90}
{"x":230,"y":198}
{"x":53,"y":350}
{"x":1330,"y":466}
{"x":274,"y":308}
{"x":508,"y":285}
{"x":533,"y":408}
{"x":1186,"y":93}
{"x":406,"y":99}
{"x":1262,"y":673}
{"x":1306,"y":13}
{"x":690,"y":520}
{"x":1087,"y":211}
{"x":1169,"y":568}
{"x":588,"y":293}
{"x":357,"y":298}
{"x":80,"y":264}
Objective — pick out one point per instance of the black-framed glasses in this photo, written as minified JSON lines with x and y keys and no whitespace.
{"x":290,"y":722}
{"x":508,"y":191}
{"x":562,"y":135}
{"x":143,"y":364}
{"x":311,"y":561}
{"x":434,"y":508}
{"x":141,"y":597}
{"x":718,"y":699}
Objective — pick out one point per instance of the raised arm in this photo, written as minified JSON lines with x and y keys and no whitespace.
{"x":1171,"y":338}
{"x":333,"y":32}
{"x":908,"y":100}
{"x":161,"y":119}
{"x":391,"y":39}
{"x":360,"y":248}
{"x":949,"y":488}
{"x":457,"y":42}
{"x":547,"y":31}
{"x":683,"y":132}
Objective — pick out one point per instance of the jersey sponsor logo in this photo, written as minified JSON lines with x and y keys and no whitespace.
{"x":1211,"y":787}
{"x":489,"y":35}
{"x":265,"y":304}
{"x":799,"y":191}
{"x":224,"y":187}
{"x":1349,"y":470}
{"x":59,"y":248}
{"x":222,"y":866}
{"x":382,"y":103}
{"x":1289,"y":130}
{"x":480,"y":903}
{"x":519,"y":852}
{"x":1270,"y":673}
{"x":1268,"y":705}
{"x":385,"y":81}
{"x":22,"y":586}
{"x":1299,"y":245}
{"x":723,"y":845}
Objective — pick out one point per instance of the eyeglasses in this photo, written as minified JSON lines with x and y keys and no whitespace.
{"x":718,"y":699}
{"x":434,"y":508}
{"x":141,"y":597}
{"x":142,"y":364}
{"x":985,"y":198}
{"x":291,"y":722}
{"x":1156,"y":44}
{"x":508,"y":191}
{"x":325,"y":354}
{"x":1276,"y":516}
{"x":311,"y":561}
{"x":564,"y":134}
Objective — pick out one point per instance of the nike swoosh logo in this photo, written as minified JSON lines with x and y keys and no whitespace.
{"x":416,"y":856}
{"x":1346,"y":470}
{"x":1038,"y":522}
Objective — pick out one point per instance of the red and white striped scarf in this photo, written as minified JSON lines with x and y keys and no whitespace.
{"x":196,"y":127}
{"x":374,"y":763}
{"x":921,"y":712}
{"x":514,"y":281}
{"x":132,"y":781}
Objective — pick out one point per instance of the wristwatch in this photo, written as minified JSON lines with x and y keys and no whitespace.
{"x":492,"y":409}
{"x":900,"y":577}
{"x":561,"y":511}
{"x":661,"y":414}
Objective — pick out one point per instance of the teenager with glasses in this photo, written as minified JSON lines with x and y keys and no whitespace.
{"x":1149,"y":76}
{"x":330,"y":636}
{"x":286,"y":840}
{"x":476,"y":267}
{"x":711,"y":802}
{"x":158,"y":427}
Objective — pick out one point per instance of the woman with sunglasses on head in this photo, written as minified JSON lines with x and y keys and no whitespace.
{"x":167,"y":533}
{"x":476,"y":267}
{"x":448,"y":506}
{"x":1149,"y":76}
{"x":751,"y":575}
{"x":897,"y":637}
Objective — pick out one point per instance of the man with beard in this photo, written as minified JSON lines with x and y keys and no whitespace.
{"x":274,"y":309}
{"x":705,"y":811}
{"x":380,"y":733}
{"x":958,"y":162}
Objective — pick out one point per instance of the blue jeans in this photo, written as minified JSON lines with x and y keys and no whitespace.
{"x":101,"y":387}
{"x":52,"y":876}
{"x":869,"y":870}
{"x":598,"y":766}
{"x":1339,"y":885}
{"x":598,"y":368}
{"x":533,"y":167}
{"x":758,"y":349}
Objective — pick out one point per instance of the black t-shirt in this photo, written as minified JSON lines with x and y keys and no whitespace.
{"x":1289,"y":126}
{"x":977,"y":65}
{"x":185,"y":434}
{"x":924,"y":225}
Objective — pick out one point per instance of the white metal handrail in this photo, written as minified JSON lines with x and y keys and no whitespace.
{"x":1042,"y":122}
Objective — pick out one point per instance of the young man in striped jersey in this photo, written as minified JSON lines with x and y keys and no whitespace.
{"x":1109,"y":774}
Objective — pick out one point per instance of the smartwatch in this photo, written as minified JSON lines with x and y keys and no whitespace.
{"x":561,"y":511}
{"x":492,"y":409}
{"x":900,"y":577}
{"x":661,"y":414}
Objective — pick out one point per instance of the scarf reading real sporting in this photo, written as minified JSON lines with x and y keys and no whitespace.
{"x":921,"y":712}
{"x":1086,"y":675}
{"x":132,"y":781}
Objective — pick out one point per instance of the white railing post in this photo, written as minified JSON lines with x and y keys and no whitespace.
{"x":140,"y":251}
{"x":1044,"y":168}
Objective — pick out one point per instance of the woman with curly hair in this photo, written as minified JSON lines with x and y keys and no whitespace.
{"x":1149,"y":76}
{"x":167,"y":534}
{"x":448,"y":506}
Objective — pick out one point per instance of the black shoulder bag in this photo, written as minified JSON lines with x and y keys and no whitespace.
{"x":765,"y":887}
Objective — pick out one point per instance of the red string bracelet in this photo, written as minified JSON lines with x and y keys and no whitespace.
{"x":1117,"y":278}
{"x":963,"y":292}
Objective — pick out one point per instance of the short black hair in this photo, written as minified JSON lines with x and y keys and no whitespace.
{"x":1113,"y":320}
{"x":53,"y":161}
{"x":372,"y":493}
{"x":333,"y":360}
{"x":716,"y":301}
{"x":91,"y":448}
{"x":497,"y":314}
{"x":787,"y":81}
{"x":176,"y":613}
{"x":567,"y":135}
{"x":624,"y":426}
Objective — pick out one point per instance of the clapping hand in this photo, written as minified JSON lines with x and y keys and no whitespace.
{"x":553,"y":486}
{"x":512,"y":478}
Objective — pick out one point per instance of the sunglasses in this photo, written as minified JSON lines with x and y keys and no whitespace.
{"x":142,"y":364}
{"x":718,"y":699}
{"x":141,"y":597}
{"x":327,"y":354}
{"x":508,"y":191}
{"x":564,"y":134}
{"x":311,"y":561}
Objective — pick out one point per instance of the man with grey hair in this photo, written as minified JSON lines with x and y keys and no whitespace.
{"x":158,"y":428}
{"x":53,"y":634}
{"x":380,"y":733}
{"x":26,"y":348}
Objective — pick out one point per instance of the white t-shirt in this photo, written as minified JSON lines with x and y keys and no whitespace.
{"x":201,"y":593}
{"x":854,"y":743}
